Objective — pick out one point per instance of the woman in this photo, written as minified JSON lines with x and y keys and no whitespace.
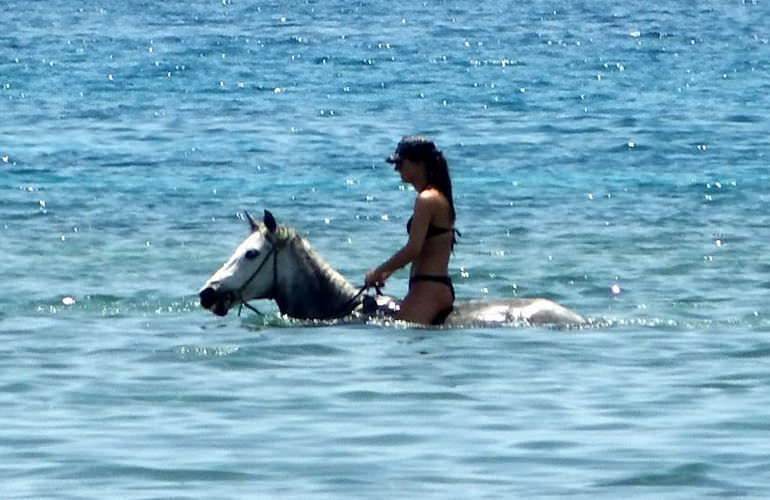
{"x":431,"y":234}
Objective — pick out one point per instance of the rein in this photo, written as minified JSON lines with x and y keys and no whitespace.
{"x":347,"y":307}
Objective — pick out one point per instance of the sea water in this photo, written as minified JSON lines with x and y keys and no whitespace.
{"x":610,"y":156}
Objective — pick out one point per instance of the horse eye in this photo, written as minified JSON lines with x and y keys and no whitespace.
{"x":251,"y":254}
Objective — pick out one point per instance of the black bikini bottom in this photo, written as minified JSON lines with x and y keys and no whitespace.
{"x":445,"y":280}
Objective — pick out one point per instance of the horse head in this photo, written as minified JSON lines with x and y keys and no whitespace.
{"x":249,"y":273}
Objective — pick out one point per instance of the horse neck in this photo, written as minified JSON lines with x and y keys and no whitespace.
{"x":308,"y":287}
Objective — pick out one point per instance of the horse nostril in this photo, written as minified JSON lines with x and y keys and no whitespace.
{"x":208,"y":297}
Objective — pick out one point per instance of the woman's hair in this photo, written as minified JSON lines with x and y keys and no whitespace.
{"x":423,"y":149}
{"x":437,"y":172}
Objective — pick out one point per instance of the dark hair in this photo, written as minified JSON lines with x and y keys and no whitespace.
{"x":438,"y":176}
{"x":422,"y":149}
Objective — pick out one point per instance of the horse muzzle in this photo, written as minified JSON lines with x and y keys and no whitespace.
{"x":216,"y":302}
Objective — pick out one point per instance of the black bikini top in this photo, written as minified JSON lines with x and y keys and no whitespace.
{"x":435,"y":231}
{"x":432,"y":230}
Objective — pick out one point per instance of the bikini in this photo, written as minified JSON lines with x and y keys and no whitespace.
{"x":434,"y":231}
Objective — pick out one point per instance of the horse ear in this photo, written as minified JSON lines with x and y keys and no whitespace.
{"x":251,"y":220}
{"x":269,"y":221}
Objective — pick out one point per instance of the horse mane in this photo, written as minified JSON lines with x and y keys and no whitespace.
{"x":330,"y":287}
{"x":317,"y":263}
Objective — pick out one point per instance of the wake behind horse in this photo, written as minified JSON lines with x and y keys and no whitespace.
{"x":277,"y":263}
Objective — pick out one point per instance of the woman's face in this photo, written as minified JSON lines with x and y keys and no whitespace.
{"x":408,"y":169}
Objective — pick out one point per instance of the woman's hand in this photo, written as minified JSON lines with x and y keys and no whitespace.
{"x":375,"y":277}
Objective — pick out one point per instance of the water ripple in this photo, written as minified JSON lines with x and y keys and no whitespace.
{"x":609,"y":156}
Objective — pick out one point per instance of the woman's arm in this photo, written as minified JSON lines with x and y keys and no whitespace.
{"x":423,"y":208}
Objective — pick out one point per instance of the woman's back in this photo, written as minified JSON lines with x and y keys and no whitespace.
{"x":439,"y":237}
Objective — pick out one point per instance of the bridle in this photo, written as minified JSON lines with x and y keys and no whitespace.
{"x":274,"y":248}
{"x":271,"y":294}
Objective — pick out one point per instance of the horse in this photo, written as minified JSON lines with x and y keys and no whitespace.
{"x":277,"y":263}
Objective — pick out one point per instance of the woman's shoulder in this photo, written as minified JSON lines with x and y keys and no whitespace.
{"x":432,"y":198}
{"x":431,"y":194}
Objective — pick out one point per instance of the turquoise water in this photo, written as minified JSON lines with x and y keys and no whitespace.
{"x":610,"y":157}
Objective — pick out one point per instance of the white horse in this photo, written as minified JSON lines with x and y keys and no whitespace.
{"x":277,"y":263}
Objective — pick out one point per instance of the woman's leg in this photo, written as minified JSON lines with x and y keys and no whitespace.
{"x":424,"y":301}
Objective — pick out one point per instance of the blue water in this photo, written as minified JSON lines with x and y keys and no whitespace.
{"x":608,"y":156}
